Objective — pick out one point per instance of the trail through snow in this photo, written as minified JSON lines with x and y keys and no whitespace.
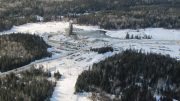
{"x":74,"y":56}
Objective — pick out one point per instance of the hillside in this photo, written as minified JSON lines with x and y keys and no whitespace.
{"x":133,"y":75}
{"x":20,"y":49}
{"x":118,"y":50}
{"x":109,"y":14}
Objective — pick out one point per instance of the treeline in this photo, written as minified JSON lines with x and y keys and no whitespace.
{"x":8,"y":22}
{"x":109,"y":14}
{"x":133,"y":75}
{"x":30,"y":85}
{"x":102,"y":49}
{"x":128,"y":36}
{"x":20,"y":49}
{"x":135,"y":17}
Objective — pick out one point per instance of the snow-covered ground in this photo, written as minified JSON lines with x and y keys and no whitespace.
{"x":74,"y":56}
{"x":45,"y":27}
{"x":156,"y":33}
{"x":70,"y":67}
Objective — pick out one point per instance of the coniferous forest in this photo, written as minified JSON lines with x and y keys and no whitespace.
{"x":109,"y":14}
{"x":102,"y":49}
{"x":30,"y":85}
{"x":133,"y":76}
{"x":128,"y":76}
{"x":20,"y":49}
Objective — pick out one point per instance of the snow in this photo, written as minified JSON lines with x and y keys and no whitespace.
{"x":157,"y":97}
{"x":175,"y":100}
{"x":70,"y":68}
{"x":39,"y":18}
{"x":71,"y":57}
{"x":83,"y":27}
{"x":45,"y":27}
{"x":156,"y":33}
